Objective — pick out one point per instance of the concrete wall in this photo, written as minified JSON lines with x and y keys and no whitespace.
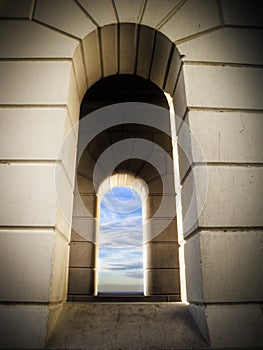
{"x":48,"y":60}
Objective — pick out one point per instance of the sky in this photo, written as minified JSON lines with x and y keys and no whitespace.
{"x":120,"y":242}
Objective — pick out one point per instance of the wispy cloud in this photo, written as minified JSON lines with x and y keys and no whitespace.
{"x":127,"y":266}
{"x":135,"y":274}
{"x":121,"y":250}
{"x":121,"y":230}
{"x":121,"y":200}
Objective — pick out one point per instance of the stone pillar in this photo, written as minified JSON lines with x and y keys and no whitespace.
{"x":162,"y":250}
{"x":83,"y":249}
{"x":36,"y":181}
{"x":222,"y":112}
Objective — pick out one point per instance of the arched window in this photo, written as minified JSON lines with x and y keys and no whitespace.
{"x":125,"y":131}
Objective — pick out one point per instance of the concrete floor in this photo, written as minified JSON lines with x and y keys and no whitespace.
{"x":125,"y":326}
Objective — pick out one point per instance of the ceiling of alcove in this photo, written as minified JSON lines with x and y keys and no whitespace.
{"x":119,"y":89}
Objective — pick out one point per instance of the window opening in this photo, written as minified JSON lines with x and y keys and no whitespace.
{"x":120,"y":258}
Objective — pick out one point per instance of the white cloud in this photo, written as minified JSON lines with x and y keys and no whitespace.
{"x":121,"y":200}
{"x":135,"y":274}
{"x":120,"y":239}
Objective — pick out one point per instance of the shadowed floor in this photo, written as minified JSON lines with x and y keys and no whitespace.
{"x":125,"y":326}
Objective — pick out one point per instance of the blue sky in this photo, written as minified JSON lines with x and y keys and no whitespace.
{"x":120,"y":242}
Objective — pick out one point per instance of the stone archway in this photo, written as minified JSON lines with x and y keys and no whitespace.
{"x":128,"y":48}
{"x":152,"y":126}
{"x":123,"y":237}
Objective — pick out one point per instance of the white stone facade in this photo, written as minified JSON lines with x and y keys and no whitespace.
{"x":207,"y":55}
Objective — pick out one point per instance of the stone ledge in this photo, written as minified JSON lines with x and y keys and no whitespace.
{"x":124,"y":298}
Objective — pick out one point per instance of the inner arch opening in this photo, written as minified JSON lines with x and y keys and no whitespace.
{"x":120,"y":256}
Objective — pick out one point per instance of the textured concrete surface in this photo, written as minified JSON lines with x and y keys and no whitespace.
{"x":92,"y":326}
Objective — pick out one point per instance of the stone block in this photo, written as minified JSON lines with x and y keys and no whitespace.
{"x":82,"y":254}
{"x":162,"y":281}
{"x":162,"y":255}
{"x":85,"y":165}
{"x":160,"y":59}
{"x":69,"y":127}
{"x":190,"y":210}
{"x":148,"y":172}
{"x":26,"y":39}
{"x":73,"y":99}
{"x":232,"y":266}
{"x":193,"y":270}
{"x":31,"y":133}
{"x":155,"y":186}
{"x":101,"y":11}
{"x":23,"y":326}
{"x":246,"y":13}
{"x":36,"y":82}
{"x":226,"y":45}
{"x":68,"y":155}
{"x":26,"y":264}
{"x":234,"y":196}
{"x":81,"y":281}
{"x":64,"y":223}
{"x":79,"y":69}
{"x":16,"y":9}
{"x":53,"y":315}
{"x":92,"y":58}
{"x":83,"y":229}
{"x":127,"y":52}
{"x":198,"y":313}
{"x":97,"y":147}
{"x":162,"y":185}
{"x":159,"y":163}
{"x":128,"y":11}
{"x":83,"y":185}
{"x":85,"y":206}
{"x":192,"y":18}
{"x":153,"y":204}
{"x":211,"y":197}
{"x":109,"y":50}
{"x":29,"y":193}
{"x":161,"y":230}
{"x":173,"y":72}
{"x":65,"y":16}
{"x":145,"y":49}
{"x":163,"y":140}
{"x":179,"y":99}
{"x":224,"y":267}
{"x":58,"y":291}
{"x":162,"y":206}
{"x":155,"y":11}
{"x":64,"y":197}
{"x":205,"y":86}
{"x":235,"y":326}
{"x":225,"y":136}
{"x":184,"y":147}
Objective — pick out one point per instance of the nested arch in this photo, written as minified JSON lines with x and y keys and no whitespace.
{"x":123,"y":74}
{"x":129,"y":48}
{"x":149,"y":158}
{"x":120,"y":245}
